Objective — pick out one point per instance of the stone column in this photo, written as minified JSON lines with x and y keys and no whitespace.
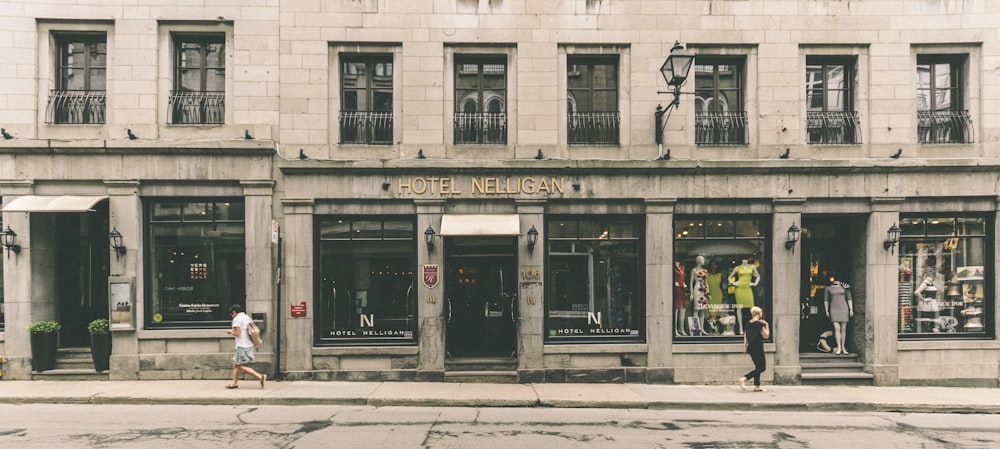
{"x":431,"y":302}
{"x":882,"y":301}
{"x":259,"y":267}
{"x":17,"y":271}
{"x":531,"y":293}
{"x":297,"y":333}
{"x":659,"y":291}
{"x":125,"y":215}
{"x":787,"y":275}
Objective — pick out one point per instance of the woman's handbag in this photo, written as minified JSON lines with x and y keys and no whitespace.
{"x":254,"y":332}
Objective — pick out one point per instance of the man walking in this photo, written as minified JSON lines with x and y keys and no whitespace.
{"x":244,"y":347}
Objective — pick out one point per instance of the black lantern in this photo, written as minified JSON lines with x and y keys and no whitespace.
{"x":892,"y":236}
{"x":115,"y":238}
{"x":532,"y":238}
{"x":429,"y":237}
{"x":675,"y":69}
{"x":10,"y":241}
{"x":793,"y":236}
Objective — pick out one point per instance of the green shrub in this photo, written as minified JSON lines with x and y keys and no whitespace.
{"x":44,"y":327}
{"x":98,"y":326}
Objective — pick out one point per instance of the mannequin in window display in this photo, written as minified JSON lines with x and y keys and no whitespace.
{"x":680,"y":299}
{"x":745,"y":276}
{"x":699,"y":292}
{"x":926,"y":296}
{"x":840,"y":308}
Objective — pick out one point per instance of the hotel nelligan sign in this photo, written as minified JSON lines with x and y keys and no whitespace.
{"x":485,"y":185}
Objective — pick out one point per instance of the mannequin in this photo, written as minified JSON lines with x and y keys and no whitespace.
{"x":745,"y":277}
{"x":840,"y":308}
{"x":715,"y":289}
{"x":680,"y":299}
{"x":926,"y":296}
{"x":700,"y":296}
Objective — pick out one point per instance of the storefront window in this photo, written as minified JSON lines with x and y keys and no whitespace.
{"x":719,"y":274}
{"x":944,"y":278}
{"x":198,"y":263}
{"x":366,"y":281}
{"x":594,"y":279}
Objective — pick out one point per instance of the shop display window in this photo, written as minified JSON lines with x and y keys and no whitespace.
{"x":718,"y":275}
{"x":365,"y":277}
{"x":197,"y":264}
{"x":594,"y":278}
{"x":944,"y":276}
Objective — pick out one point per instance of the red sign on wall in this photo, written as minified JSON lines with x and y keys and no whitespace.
{"x":431,"y":277}
{"x":298,"y":311}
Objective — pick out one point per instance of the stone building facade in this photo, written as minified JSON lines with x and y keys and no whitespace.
{"x":480,"y":189}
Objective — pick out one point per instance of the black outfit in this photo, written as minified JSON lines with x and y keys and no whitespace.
{"x":755,"y":348}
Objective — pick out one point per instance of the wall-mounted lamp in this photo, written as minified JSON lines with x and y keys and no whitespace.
{"x":532,"y":237}
{"x":793,"y":236}
{"x":675,"y":72}
{"x":891,"y":237}
{"x":10,"y":241}
{"x":115,"y":238}
{"x":429,"y":237}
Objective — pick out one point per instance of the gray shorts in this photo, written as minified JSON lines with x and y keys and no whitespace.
{"x":243,"y":356}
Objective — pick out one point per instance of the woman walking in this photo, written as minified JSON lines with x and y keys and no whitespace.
{"x":756,"y":332}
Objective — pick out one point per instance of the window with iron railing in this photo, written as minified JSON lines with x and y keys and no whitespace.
{"x":480,"y":100}
{"x":81,"y":78}
{"x":720,"y":118}
{"x":833,"y":127}
{"x":720,"y":128}
{"x":592,"y":116}
{"x":199,"y":95}
{"x":940,"y":116}
{"x":366,"y":84}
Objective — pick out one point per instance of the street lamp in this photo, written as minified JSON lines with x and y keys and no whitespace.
{"x":675,"y":72}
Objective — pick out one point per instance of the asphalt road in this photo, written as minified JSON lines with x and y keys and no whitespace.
{"x":50,"y":426}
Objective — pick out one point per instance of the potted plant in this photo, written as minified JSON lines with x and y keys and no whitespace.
{"x":100,"y":344}
{"x":44,"y":343}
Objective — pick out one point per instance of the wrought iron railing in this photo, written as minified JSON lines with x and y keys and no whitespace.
{"x":594,"y":128}
{"x":944,"y":127}
{"x":365,"y":127}
{"x":486,"y":128}
{"x":76,"y":107}
{"x":833,"y":127}
{"x":720,"y":128}
{"x":198,"y":108}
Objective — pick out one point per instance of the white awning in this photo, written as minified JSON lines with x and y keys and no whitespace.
{"x":487,"y":224}
{"x":64,"y":203}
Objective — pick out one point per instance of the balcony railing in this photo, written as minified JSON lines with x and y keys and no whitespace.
{"x":593,"y":128}
{"x":944,"y":127}
{"x":485,"y":128}
{"x":198,"y":108}
{"x":833,"y":127}
{"x":79,"y":107}
{"x":720,"y":128}
{"x":365,"y":127}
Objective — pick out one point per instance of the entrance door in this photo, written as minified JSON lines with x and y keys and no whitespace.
{"x":81,"y":272}
{"x":828,"y":247}
{"x":480,"y":286}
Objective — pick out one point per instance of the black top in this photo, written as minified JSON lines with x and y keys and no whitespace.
{"x":754,"y":338}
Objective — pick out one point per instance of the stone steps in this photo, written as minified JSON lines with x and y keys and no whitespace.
{"x":481,"y":370}
{"x":833,"y":369}
{"x":71,"y":364}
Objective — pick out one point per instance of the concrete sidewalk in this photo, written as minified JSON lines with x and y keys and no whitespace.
{"x":690,"y":397}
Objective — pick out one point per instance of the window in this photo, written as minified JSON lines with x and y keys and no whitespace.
{"x":199,"y":94}
{"x":81,"y":77}
{"x":592,"y":100}
{"x":198,"y":264}
{"x":366,"y":98}
{"x":481,"y":100}
{"x":941,"y":116}
{"x":594,"y":280}
{"x":830,"y":89}
{"x":720,"y":115}
{"x":718,"y":276}
{"x":945,"y":280}
{"x":365,"y":278}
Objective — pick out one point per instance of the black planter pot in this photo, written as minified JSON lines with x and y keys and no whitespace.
{"x":100,"y":351}
{"x":43,"y":351}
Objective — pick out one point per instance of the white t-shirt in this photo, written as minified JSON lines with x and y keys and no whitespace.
{"x":241,"y":320}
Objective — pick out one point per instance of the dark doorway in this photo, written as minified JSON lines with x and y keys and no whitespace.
{"x":81,"y":272}
{"x":828,"y":246}
{"x":480,"y":286}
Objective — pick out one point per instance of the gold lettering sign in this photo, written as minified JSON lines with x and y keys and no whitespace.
{"x":484,"y":185}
